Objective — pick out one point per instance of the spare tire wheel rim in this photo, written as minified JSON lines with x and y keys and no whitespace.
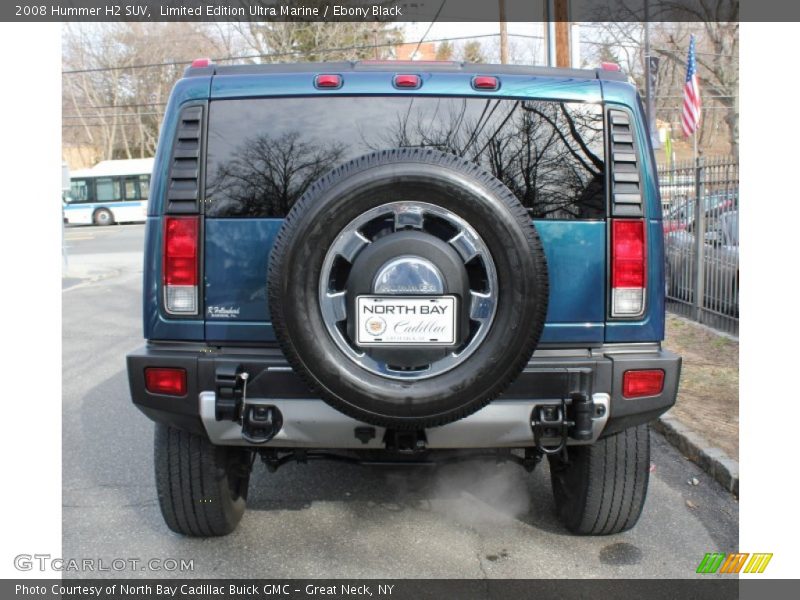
{"x":409,"y":278}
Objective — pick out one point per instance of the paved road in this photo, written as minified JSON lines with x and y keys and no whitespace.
{"x":328,"y":519}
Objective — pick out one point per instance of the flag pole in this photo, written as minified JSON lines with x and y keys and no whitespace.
{"x":699,"y":234}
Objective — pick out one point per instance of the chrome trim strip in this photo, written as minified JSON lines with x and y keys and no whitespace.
{"x":628,"y":348}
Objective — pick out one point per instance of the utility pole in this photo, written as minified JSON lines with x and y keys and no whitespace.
{"x":558,"y":45}
{"x":562,"y":33}
{"x":650,"y":73}
{"x":503,"y":33}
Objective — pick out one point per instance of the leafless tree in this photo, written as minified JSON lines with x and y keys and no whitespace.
{"x":316,"y":41}
{"x":548,"y":153}
{"x":117,"y":76}
{"x":117,"y":79}
{"x":716,"y":28}
{"x":269,"y":172}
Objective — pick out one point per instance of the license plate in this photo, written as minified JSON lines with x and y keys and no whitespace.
{"x":398,"y":320}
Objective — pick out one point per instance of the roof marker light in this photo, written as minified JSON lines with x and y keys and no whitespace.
{"x":609,"y":66}
{"x":407,"y":81}
{"x":328,"y":81}
{"x":199,"y":63}
{"x":485,"y":82}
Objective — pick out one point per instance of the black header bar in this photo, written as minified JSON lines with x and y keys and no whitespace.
{"x":394,"y":10}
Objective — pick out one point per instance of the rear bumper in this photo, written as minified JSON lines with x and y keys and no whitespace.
{"x":551,"y":374}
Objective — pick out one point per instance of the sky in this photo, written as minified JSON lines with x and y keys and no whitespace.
{"x":530,"y":50}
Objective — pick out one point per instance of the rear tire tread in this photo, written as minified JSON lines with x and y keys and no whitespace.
{"x":193,"y":484}
{"x":601,"y":490}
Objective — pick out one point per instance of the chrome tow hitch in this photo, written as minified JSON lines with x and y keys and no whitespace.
{"x":260,"y":422}
{"x":552,"y":425}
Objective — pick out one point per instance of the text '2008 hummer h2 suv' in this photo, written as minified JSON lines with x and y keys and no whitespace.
{"x":391,"y":261}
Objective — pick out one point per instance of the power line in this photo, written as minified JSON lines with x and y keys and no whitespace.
{"x":356,"y":47}
{"x":600,"y":27}
{"x":109,"y":116}
{"x":613,"y":45}
{"x":703,"y":95}
{"x":137,"y":105}
{"x":427,"y":31}
{"x":295,"y":53}
{"x":105,"y":125}
{"x":274,"y":54}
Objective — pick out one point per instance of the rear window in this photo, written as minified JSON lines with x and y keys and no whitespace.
{"x":263,"y":154}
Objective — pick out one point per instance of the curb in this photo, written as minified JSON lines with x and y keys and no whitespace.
{"x":709,"y":458}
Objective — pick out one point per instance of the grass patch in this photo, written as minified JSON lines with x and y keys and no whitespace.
{"x":708,"y":395}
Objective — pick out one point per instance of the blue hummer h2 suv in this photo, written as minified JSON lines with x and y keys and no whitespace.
{"x":403,"y":261}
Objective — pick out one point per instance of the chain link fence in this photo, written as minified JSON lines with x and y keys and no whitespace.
{"x":702,"y":240}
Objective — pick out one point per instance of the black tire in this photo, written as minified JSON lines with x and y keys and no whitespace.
{"x":103,"y":217}
{"x":373,"y":180}
{"x":602,"y":488}
{"x":202,"y":488}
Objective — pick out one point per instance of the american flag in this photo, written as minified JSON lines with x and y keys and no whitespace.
{"x":690,"y":120}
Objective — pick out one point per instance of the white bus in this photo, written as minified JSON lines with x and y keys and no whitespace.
{"x":112,"y":191}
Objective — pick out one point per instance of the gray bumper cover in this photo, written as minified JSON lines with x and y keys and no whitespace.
{"x":551,"y":374}
{"x":314,"y":424}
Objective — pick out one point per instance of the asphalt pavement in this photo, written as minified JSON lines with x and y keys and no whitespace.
{"x":470,"y":520}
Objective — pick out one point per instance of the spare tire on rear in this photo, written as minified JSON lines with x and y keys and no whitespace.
{"x":409,"y":288}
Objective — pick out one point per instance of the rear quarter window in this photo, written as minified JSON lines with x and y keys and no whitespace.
{"x":263,"y":154}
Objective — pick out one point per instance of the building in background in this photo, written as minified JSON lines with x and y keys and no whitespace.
{"x":415,"y":51}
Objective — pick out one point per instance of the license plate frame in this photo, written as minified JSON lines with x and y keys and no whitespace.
{"x":392,"y":322}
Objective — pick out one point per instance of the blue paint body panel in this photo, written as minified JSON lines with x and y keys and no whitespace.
{"x":575,"y":252}
{"x":236,"y":260}
{"x":236,"y":251}
{"x":237,"y":257}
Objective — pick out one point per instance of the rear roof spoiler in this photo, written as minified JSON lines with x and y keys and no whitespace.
{"x":414,"y":66}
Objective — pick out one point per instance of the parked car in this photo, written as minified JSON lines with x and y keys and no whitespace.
{"x":720,"y":260}
{"x":681,"y":214}
{"x":391,"y":261}
{"x":678,"y":217}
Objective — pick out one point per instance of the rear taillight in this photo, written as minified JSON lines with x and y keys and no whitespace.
{"x":180,"y":269}
{"x":168,"y":381}
{"x":628,"y":267}
{"x":641,"y":383}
